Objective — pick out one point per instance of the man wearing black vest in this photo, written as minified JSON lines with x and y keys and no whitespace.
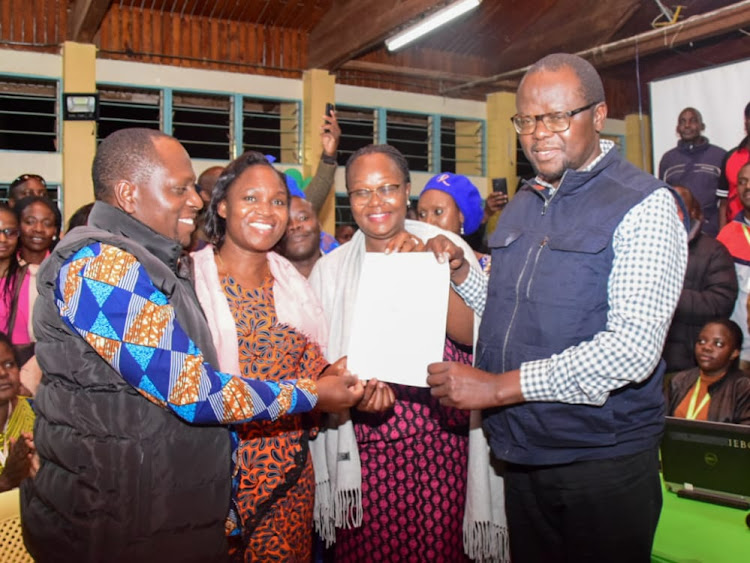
{"x":135,"y":462}
{"x":587,"y":267}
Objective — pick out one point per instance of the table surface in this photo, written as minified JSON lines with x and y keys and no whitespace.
{"x":692,"y":531}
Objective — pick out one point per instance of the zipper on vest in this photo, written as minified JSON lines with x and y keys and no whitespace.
{"x":548,"y":200}
{"x":542,"y":244}
{"x":515,"y":307}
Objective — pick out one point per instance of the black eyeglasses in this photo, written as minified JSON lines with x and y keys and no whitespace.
{"x":10,"y":233}
{"x":386,"y":192}
{"x":555,"y":122}
{"x":24,"y":177}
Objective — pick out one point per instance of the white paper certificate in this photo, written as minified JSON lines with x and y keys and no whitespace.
{"x":398,"y":326}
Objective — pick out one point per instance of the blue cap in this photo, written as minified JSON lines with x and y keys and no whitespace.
{"x":294,"y":189}
{"x":464,"y":193}
{"x":291,"y":182}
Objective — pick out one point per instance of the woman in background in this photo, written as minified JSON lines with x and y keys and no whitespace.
{"x":716,"y":390}
{"x":40,"y":222}
{"x":14,"y":283}
{"x":452,"y":202}
{"x":265,"y":323}
{"x":17,"y":419}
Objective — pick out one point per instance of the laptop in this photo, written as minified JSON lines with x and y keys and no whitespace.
{"x":708,"y":461}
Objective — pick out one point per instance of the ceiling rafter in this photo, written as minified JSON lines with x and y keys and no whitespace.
{"x":381,"y":68}
{"x":86,"y":18}
{"x":352,"y":27}
{"x":709,"y":24}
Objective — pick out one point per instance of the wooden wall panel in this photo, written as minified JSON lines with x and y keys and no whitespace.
{"x":5,"y":19}
{"x":200,"y":42}
{"x":16,"y":29}
{"x":40,"y":25}
{"x":28,"y":24}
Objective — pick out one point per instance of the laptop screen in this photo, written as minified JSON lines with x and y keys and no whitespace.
{"x":707,"y":455}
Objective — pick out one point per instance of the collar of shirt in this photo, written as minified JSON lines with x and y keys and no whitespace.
{"x":605,"y":145}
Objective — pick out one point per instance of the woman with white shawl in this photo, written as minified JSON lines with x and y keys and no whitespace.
{"x":265,"y":323}
{"x":397,"y":481}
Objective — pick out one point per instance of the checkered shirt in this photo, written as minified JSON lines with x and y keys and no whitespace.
{"x":645,"y":282}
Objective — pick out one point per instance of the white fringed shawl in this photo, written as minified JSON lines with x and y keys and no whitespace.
{"x":335,"y":279}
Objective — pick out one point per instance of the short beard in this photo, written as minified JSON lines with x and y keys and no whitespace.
{"x":551,"y":179}
{"x":297,"y":256}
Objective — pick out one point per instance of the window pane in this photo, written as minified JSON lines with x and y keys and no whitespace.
{"x":272,"y":127}
{"x":524,"y":170}
{"x":447,"y":145}
{"x":201,"y":123}
{"x":343,"y":210}
{"x":410,"y":134}
{"x":357,"y":130}
{"x":120,"y":108}
{"x":53,"y":192}
{"x":28,"y":114}
{"x":461,"y":146}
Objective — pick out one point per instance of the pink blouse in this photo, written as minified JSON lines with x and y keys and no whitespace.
{"x":21,"y":327}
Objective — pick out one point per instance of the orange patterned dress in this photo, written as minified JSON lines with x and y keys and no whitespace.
{"x":273,"y":473}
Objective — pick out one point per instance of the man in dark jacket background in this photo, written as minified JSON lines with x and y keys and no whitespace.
{"x":709,"y":290}
{"x":695,"y":163}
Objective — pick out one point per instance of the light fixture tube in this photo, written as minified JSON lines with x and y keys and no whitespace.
{"x":441,"y":17}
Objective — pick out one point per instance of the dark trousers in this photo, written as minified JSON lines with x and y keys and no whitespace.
{"x":590,"y":511}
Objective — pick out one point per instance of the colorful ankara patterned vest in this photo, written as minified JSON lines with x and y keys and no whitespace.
{"x":123,"y":479}
{"x":548,"y":292}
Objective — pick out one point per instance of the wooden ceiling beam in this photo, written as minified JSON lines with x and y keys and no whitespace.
{"x":352,"y":27}
{"x":381,"y":68}
{"x":86,"y":18}
{"x":717,"y":22}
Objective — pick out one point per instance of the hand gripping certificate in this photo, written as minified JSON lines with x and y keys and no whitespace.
{"x":398,"y":326}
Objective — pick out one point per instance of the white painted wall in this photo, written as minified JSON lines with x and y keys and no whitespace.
{"x":406,"y":101}
{"x":162,"y":76}
{"x":43,"y":65}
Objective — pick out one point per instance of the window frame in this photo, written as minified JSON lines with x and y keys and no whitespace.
{"x":57,"y":116}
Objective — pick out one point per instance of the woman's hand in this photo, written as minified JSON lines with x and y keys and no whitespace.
{"x":404,"y":242}
{"x":338,"y":389}
{"x":34,"y":461}
{"x":18,"y":463}
{"x":378,"y":397}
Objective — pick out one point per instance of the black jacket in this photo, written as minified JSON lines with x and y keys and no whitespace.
{"x":121,"y":479}
{"x":709,"y":292}
{"x":730,"y":396}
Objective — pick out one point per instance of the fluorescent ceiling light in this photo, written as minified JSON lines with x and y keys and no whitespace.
{"x":441,"y":17}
